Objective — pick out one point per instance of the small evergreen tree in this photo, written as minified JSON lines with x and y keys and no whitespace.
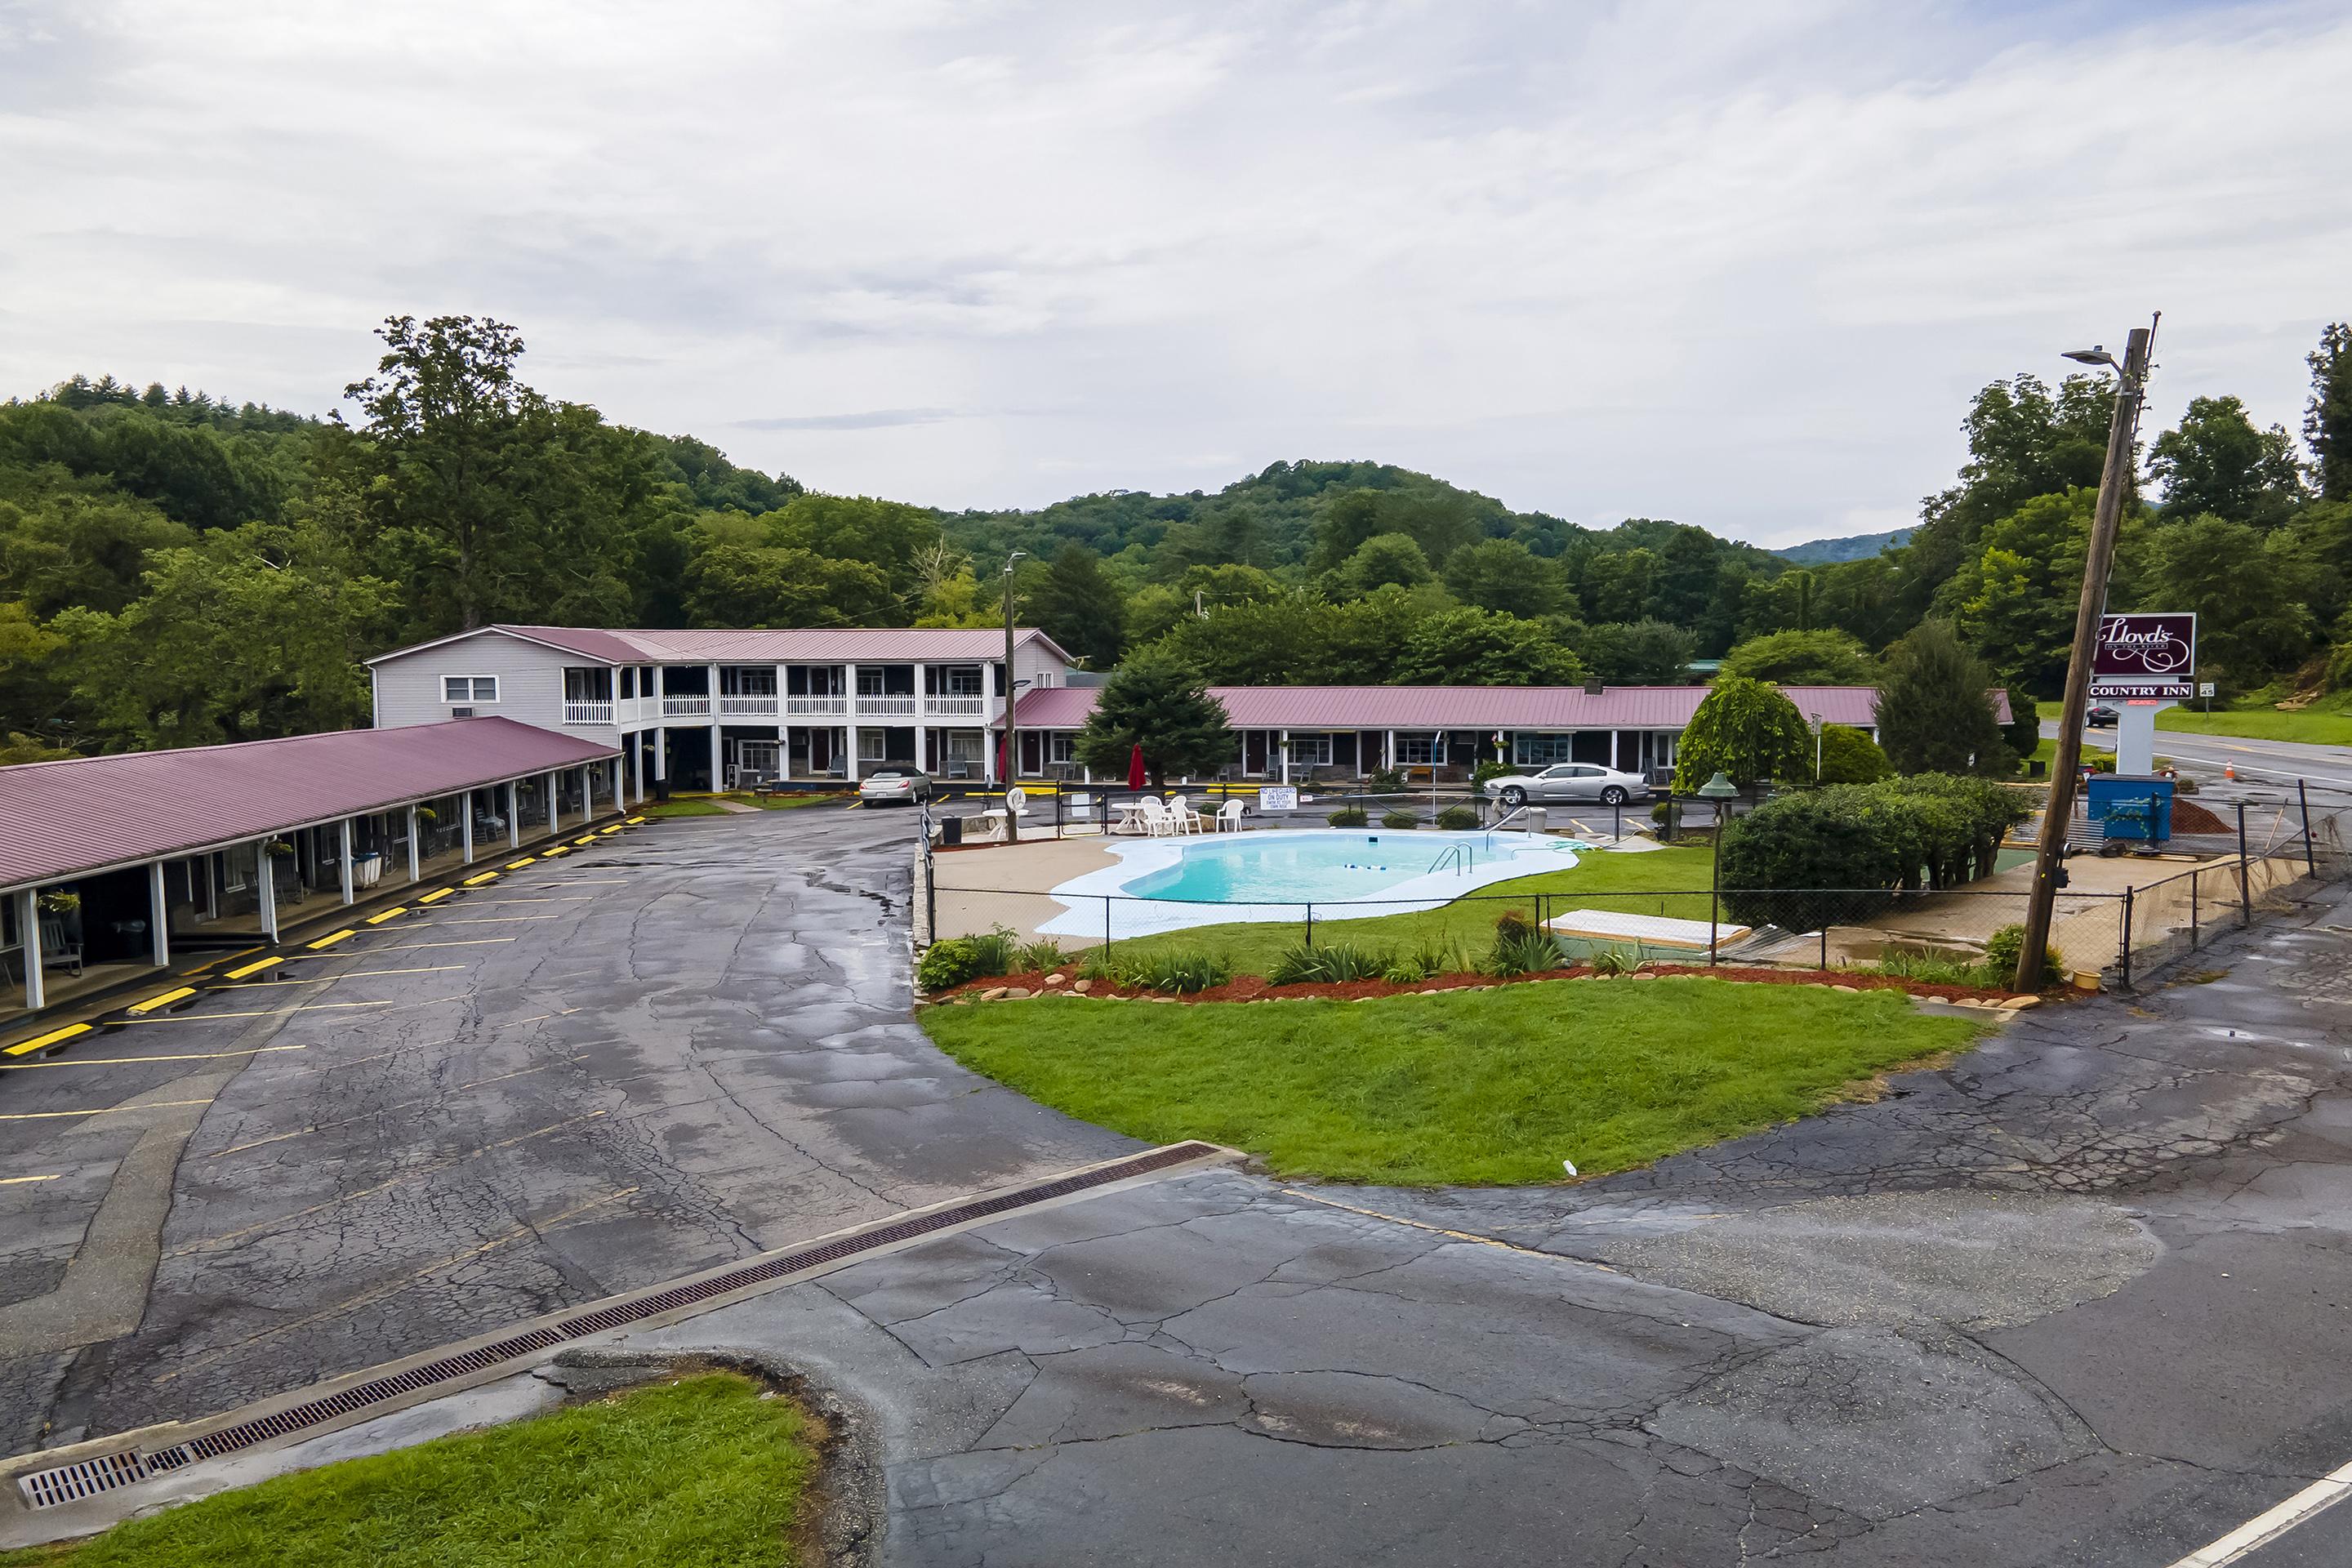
{"x":1849,"y":756}
{"x":1749,"y":731}
{"x":1151,"y":702}
{"x":1934,"y":708}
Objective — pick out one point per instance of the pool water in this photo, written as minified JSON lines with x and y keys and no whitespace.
{"x":1282,"y":868}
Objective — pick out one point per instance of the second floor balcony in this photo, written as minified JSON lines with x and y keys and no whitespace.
{"x":587,"y":710}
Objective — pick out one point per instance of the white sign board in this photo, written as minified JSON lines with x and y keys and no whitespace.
{"x":1278,"y":797}
{"x":2205,"y":689}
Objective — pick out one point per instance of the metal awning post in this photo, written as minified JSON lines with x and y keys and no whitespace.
{"x":28,"y":939}
{"x":159,"y":924}
{"x":343,"y":840}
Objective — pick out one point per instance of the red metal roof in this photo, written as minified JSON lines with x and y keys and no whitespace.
{"x":1466,"y":707}
{"x":839,"y":644}
{"x":83,"y":813}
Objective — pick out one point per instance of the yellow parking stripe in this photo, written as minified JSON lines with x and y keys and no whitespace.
{"x":162,"y":999}
{"x":25,"y":1047}
{"x":393,"y":914}
{"x":519,"y":865}
{"x":142,"y":1061}
{"x":331,"y":938}
{"x":477,"y":881}
{"x":253,"y":968}
{"x":20,"y":1181}
{"x":437,"y":894}
{"x":584,"y":838}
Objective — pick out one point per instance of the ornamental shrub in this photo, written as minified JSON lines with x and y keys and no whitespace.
{"x":2005,"y":947}
{"x":1349,"y":817}
{"x":1398,"y":821}
{"x":949,"y":963}
{"x":1458,"y":818}
{"x":1849,"y":756}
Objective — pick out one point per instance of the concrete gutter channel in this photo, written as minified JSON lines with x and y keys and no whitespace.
{"x":94,"y":1012}
{"x":57,"y":1494}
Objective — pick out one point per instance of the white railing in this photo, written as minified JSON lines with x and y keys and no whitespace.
{"x":747,"y":705}
{"x":685,"y":707}
{"x":592,"y":711}
{"x":817,"y":704}
{"x":866,"y":704}
{"x":633,"y":709}
{"x":956,"y":707}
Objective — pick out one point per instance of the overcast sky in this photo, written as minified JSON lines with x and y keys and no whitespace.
{"x":1739,"y":264}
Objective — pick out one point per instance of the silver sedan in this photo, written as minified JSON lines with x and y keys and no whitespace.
{"x":1568,"y":781}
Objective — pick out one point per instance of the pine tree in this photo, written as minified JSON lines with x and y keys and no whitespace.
{"x":2327,"y":423}
{"x":1934,"y":708}
{"x":1152,"y":702}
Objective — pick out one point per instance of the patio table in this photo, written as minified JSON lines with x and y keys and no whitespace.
{"x":1130,"y":817}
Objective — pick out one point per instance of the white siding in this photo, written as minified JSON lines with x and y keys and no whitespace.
{"x":1032,"y":660}
{"x":531,"y":684}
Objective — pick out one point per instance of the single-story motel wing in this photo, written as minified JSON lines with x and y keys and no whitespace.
{"x":110,"y":863}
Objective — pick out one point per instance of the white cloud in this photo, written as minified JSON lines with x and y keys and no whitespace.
{"x":1739,"y":265}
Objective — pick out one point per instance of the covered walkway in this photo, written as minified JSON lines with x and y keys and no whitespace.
{"x":109,"y":864}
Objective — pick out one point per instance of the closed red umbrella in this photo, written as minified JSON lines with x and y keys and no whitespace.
{"x":1135,"y":779}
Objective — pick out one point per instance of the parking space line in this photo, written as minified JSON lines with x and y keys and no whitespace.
{"x":101,"y":1111}
{"x":281,"y":1012}
{"x":588,"y":882}
{"x":521,"y":1232}
{"x":347,"y":974}
{"x":401,"y":1180}
{"x":376,"y":1111}
{"x":142,"y":1061}
{"x":486,"y":921}
{"x":415,"y":946}
{"x":484,"y":903}
{"x":2266,"y":1527}
{"x":21,"y":1180}
{"x":55,"y":1036}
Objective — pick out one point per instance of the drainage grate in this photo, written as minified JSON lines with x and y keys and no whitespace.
{"x":86,"y":1477}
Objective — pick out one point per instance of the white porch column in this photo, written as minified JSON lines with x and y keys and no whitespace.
{"x":28,"y":936}
{"x":988,"y":736}
{"x":343,"y":843}
{"x":849,"y":728}
{"x":514,"y":817}
{"x":554,"y":814}
{"x":588,"y":792}
{"x":1286,"y":757}
{"x":922,"y":729}
{"x":159,"y":918}
{"x":465,"y":825}
{"x":1387,"y":751}
{"x":416,"y":854}
{"x":718,"y":775}
{"x":265,"y":880}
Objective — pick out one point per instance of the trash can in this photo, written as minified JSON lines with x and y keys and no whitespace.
{"x":661,"y":789}
{"x":2130,"y":807}
{"x":1533,"y":819}
{"x":950,"y":832}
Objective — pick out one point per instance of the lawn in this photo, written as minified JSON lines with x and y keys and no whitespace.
{"x":2307,"y":726}
{"x":701,"y":804}
{"x":701,"y":1471}
{"x":1630,"y":883}
{"x":1489,"y":1085}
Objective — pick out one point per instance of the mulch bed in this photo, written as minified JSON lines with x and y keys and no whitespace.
{"x":1253,"y":988}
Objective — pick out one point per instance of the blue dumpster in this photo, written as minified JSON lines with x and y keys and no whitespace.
{"x":2131,"y":806}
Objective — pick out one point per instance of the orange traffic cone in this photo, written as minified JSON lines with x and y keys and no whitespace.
{"x":2229,"y":770}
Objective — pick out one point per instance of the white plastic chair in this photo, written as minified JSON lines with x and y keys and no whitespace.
{"x":1181,"y":815}
{"x":1229,"y":815}
{"x":1157,"y":822}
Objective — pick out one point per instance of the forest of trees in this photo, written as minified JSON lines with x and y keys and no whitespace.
{"x":176,"y":570}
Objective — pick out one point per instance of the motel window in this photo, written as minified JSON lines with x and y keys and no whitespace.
{"x":1059,"y":742}
{"x":1310,"y":751}
{"x":470,"y":688}
{"x":628,"y":681}
{"x":1540,"y":751}
{"x":873,"y":746}
{"x":1416,"y":749}
{"x":964,"y":746}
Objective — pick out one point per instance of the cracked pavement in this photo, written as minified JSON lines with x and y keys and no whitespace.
{"x":2079,"y":1298}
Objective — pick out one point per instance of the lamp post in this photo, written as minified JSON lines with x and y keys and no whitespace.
{"x":2058,"y":814}
{"x":1012,"y":690}
{"x":1722,"y":792}
{"x":1813,"y":723}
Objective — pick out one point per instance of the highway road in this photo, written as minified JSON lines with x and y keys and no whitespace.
{"x":2266,"y":765}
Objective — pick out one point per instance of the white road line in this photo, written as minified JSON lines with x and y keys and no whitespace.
{"x":2264,"y":1528}
{"x":101,"y":1111}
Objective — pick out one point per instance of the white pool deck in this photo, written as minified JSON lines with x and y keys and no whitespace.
{"x":1647,"y":931}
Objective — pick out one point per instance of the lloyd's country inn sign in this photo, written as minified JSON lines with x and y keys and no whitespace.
{"x":2144,"y":656}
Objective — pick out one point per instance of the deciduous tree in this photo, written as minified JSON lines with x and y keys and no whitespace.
{"x":1748,"y":732}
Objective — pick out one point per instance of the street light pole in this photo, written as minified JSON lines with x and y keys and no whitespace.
{"x":1012,"y":690}
{"x":2058,"y":815}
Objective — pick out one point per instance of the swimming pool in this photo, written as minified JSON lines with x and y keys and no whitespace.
{"x":1169,"y":884}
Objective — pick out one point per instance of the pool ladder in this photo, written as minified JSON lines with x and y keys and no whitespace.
{"x":1462,"y":857}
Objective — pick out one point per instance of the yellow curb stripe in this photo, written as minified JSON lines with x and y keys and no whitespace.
{"x":631,"y":821}
{"x":437,"y":894}
{"x":393,"y":914}
{"x":162,"y":999}
{"x":253,"y":968}
{"x":477,"y":881}
{"x":584,"y":839}
{"x":25,"y":1047}
{"x":559,"y":849}
{"x":331,"y":938}
{"x":614,"y":828}
{"x":519,"y":865}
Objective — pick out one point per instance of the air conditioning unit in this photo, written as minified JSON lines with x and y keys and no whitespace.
{"x":461,"y":712}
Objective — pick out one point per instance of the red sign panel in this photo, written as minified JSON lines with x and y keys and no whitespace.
{"x":2150,"y":647}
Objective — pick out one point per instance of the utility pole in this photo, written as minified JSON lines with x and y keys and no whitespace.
{"x":1012,"y":690}
{"x":2058,"y":815}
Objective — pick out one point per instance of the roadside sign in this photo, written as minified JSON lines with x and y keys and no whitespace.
{"x":2109,"y":689}
{"x":2205,"y":689}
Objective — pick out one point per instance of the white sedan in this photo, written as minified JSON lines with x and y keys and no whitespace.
{"x":904,"y":786}
{"x":1568,"y":781}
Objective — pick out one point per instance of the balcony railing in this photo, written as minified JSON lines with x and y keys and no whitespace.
{"x":817,"y":704}
{"x":956,"y":707}
{"x":634,"y":710}
{"x":592,"y":711}
{"x":685,"y":707}
{"x":869,"y":704}
{"x":748,"y":705}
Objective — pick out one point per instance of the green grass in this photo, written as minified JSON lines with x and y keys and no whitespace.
{"x":701,"y":1471}
{"x":2307,"y":726}
{"x":790,"y":802}
{"x":678,"y":806}
{"x":1635,"y":880}
{"x":1491,"y":1086}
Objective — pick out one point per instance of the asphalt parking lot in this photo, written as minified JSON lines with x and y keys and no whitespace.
{"x":677,"y":1048}
{"x":2081,"y":1297}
